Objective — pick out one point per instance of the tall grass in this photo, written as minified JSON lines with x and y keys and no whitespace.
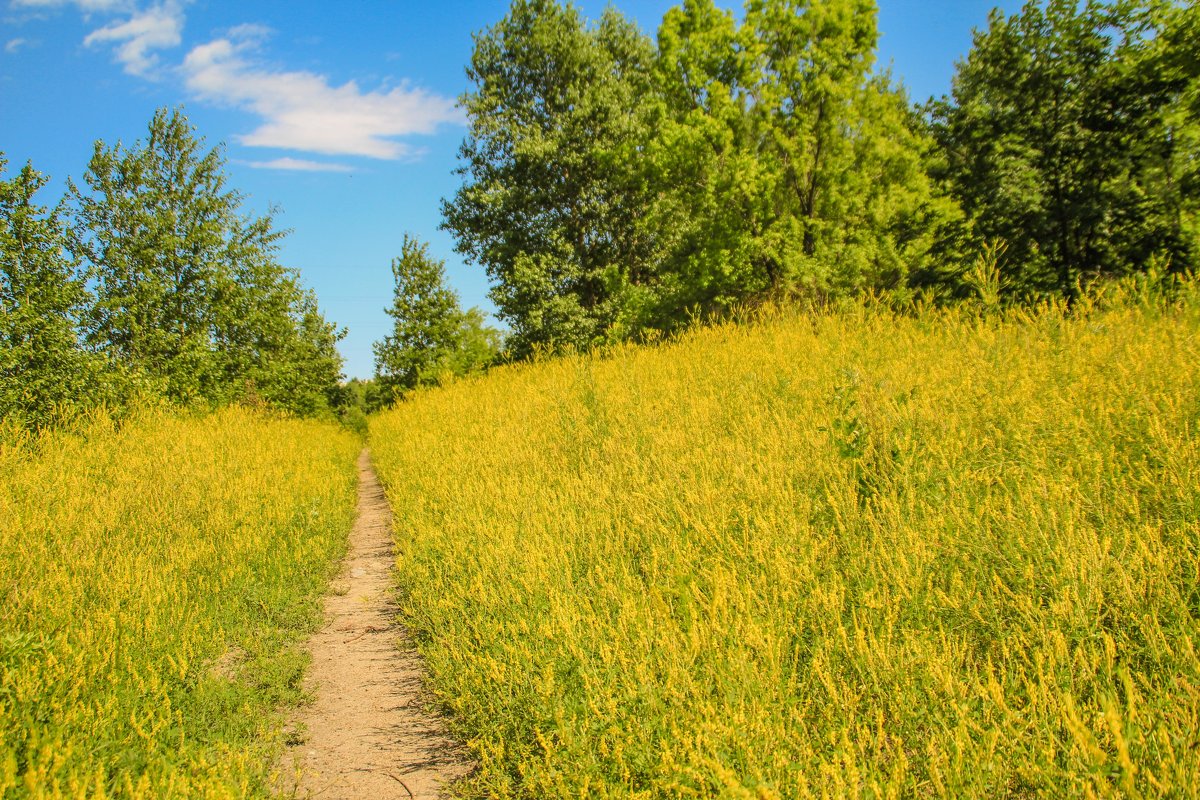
{"x":153,"y":583}
{"x":846,"y":554}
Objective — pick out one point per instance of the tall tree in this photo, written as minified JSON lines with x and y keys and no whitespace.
{"x":431,"y":336}
{"x":1058,"y":140}
{"x":814,"y":57}
{"x":44,"y":371}
{"x":853,"y":207}
{"x":153,"y":228}
{"x":1160,"y":64}
{"x":711,"y":188}
{"x":270,"y":338}
{"x":781,"y":163}
{"x":189,"y":291}
{"x":305,"y":373}
{"x":550,"y":200}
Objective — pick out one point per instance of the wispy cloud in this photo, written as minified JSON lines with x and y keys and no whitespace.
{"x":296,"y":110}
{"x":86,"y":6}
{"x":156,"y":28}
{"x":13,"y":45}
{"x":298,"y":165}
{"x":303,"y":111}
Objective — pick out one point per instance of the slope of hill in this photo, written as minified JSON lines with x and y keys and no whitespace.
{"x":822,"y":555}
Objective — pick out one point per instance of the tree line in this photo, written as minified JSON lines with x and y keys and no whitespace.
{"x":616,"y":186}
{"x":149,"y":282}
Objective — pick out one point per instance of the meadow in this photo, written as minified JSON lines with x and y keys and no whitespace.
{"x":156,"y":579}
{"x":837,"y":553}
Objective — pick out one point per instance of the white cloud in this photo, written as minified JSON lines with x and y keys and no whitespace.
{"x":156,"y":28}
{"x":302,"y":111}
{"x":298,"y":165}
{"x":87,"y":6}
{"x":249,"y":31}
{"x":13,"y":45}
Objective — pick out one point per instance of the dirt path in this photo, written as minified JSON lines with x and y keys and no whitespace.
{"x":366,"y":735}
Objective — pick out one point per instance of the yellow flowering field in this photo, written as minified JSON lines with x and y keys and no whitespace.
{"x":838,"y":554}
{"x":155,"y":579}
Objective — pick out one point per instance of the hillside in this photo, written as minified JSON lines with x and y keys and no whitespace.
{"x":847,"y":553}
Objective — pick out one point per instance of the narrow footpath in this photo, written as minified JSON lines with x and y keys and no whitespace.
{"x":366,"y":735}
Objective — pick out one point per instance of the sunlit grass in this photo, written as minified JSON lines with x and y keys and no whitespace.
{"x":154,"y":582}
{"x":823,"y":555}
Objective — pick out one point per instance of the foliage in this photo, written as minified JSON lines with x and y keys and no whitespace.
{"x":478,"y":345}
{"x":781,"y":164}
{"x":360,"y":399}
{"x":1068,"y":136}
{"x":946,"y":554}
{"x":550,"y":202}
{"x":157,"y":579}
{"x":616,"y":188}
{"x":431,"y":337}
{"x":612,"y":188}
{"x":189,"y":293}
{"x":713,"y":188}
{"x":44,"y":372}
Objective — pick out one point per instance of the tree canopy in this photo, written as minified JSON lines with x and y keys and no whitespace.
{"x":1071,"y":135}
{"x":44,"y":371}
{"x":150,"y":280}
{"x":615,"y":185}
{"x":432,"y":337}
{"x":550,"y":202}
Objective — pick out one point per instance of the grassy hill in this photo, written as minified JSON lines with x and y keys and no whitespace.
{"x":830,"y":554}
{"x":155,"y":581}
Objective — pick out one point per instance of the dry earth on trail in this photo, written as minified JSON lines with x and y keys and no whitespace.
{"x":366,"y":734}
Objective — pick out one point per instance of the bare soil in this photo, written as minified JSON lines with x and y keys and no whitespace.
{"x":368,"y":734}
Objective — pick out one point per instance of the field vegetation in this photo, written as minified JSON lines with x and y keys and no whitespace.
{"x":890,"y":526}
{"x":835,"y":553}
{"x":156,"y":577}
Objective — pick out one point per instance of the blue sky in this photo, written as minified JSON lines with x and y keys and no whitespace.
{"x":341,"y":115}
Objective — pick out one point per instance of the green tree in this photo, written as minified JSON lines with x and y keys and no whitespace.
{"x":431,"y":336}
{"x":1067,"y":137}
{"x":363,"y":395}
{"x":1162,"y":67}
{"x":551,"y":195}
{"x":479,"y":345}
{"x":271,"y":340}
{"x":153,"y":229}
{"x":781,"y":164}
{"x":853,"y":207}
{"x":44,"y":371}
{"x":814,"y":57}
{"x":711,"y":188}
{"x":302,"y":372}
{"x":189,"y":291}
